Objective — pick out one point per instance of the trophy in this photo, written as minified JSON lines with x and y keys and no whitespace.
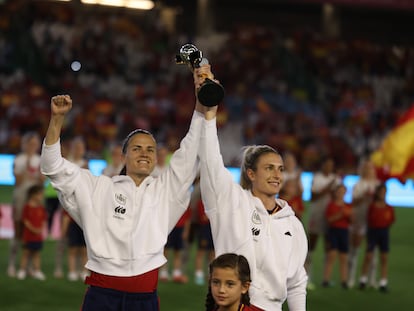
{"x":210,"y":93}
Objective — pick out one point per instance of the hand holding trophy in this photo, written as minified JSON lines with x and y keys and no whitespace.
{"x":210,"y":93}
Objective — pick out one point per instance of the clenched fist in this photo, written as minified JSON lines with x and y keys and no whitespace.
{"x":60,"y":104}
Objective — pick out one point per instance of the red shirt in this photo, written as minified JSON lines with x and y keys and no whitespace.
{"x":334,"y":209}
{"x":37,"y":217}
{"x":202,"y":217}
{"x":297,"y":205}
{"x":380,"y":215}
{"x":184,"y":218}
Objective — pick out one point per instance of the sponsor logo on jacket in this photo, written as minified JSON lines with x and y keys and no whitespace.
{"x":255,"y":231}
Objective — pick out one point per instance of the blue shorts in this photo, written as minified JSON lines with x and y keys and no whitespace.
{"x":380,"y":237}
{"x":175,"y":239}
{"x":106,"y":299}
{"x":33,"y":246}
{"x":205,"y":238}
{"x":338,"y":238}
{"x":75,"y":235}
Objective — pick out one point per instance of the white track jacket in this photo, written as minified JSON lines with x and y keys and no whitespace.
{"x":275,"y":245}
{"x":125,"y":226}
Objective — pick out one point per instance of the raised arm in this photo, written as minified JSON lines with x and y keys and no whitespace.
{"x":60,"y":105}
{"x":184,"y":164}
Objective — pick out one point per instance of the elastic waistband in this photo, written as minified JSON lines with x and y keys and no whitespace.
{"x":143,"y":283}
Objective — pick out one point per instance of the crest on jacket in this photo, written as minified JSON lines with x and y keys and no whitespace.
{"x":120,"y":198}
{"x":256,"y":218}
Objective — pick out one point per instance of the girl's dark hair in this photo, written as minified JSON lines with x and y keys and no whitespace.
{"x":251,"y":155}
{"x":233,"y":261}
{"x":377,"y":191}
{"x":126,"y":142}
{"x":34,"y":190}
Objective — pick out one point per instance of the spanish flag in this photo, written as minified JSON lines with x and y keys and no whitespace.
{"x":395,"y":157}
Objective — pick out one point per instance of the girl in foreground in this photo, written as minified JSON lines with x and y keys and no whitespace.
{"x":229,"y":282}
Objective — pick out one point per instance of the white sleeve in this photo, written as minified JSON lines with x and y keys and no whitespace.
{"x":182,"y":170}
{"x":65,"y":177}
{"x":296,"y":297}
{"x":62,"y":173}
{"x":224,"y":200}
{"x":296,"y":285}
{"x":215,"y":179}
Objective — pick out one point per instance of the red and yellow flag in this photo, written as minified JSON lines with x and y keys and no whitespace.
{"x":395,"y":157}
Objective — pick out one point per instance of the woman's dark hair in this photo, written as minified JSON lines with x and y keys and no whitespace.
{"x":133,"y":133}
{"x":251,"y":155}
{"x":126,"y":142}
{"x":233,"y":261}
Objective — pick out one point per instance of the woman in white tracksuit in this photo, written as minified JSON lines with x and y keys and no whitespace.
{"x":247,"y":219}
{"x":126,"y":219}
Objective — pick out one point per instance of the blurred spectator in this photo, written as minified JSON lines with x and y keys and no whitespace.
{"x":205,"y":247}
{"x":76,"y":245}
{"x":362,"y":195}
{"x":162,"y":160}
{"x":324,"y":181}
{"x":176,"y":242}
{"x":34,"y":220}
{"x":380,"y":218}
{"x":116,"y":163}
{"x":331,"y":95}
{"x":26,"y":170}
{"x":292,"y":193}
{"x":292,"y":170}
{"x":339,"y":216}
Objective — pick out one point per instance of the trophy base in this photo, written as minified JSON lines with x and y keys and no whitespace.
{"x":210,"y":93}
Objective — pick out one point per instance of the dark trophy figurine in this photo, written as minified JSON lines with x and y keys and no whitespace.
{"x":210,"y":93}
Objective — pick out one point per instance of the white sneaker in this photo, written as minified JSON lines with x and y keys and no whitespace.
{"x":73,"y":276}
{"x":11,"y":272}
{"x":38,"y":275}
{"x":199,"y":278}
{"x":21,"y":274}
{"x":164,"y":276}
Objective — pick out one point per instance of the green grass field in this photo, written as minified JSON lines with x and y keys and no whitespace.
{"x":61,"y":295}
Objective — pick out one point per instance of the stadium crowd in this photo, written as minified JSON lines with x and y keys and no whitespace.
{"x":299,"y":92}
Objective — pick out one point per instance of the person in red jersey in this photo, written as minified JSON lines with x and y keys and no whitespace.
{"x":291,"y":192}
{"x":380,"y":218}
{"x":338,"y":215}
{"x":34,"y":218}
{"x":26,"y":171}
{"x":229,"y":282}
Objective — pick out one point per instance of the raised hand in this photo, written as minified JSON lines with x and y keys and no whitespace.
{"x":60,"y":105}
{"x":200,"y":74}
